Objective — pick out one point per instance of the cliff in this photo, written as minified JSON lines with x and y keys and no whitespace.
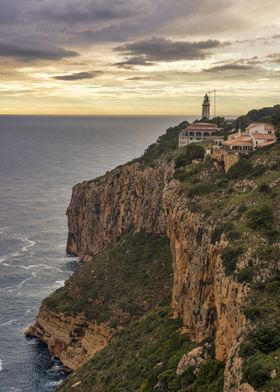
{"x":72,"y":339}
{"x":149,"y":199}
{"x":216,"y":241}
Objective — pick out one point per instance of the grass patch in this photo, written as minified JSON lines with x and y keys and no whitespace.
{"x":262,"y":220}
{"x":145,"y":356}
{"x":132,"y":276}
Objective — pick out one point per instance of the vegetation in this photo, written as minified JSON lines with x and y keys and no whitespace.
{"x":165,"y":143}
{"x":133,"y":275}
{"x":188,"y":154}
{"x":230,"y":256}
{"x":262,"y":219}
{"x":260,"y":349}
{"x":143,"y":357}
{"x":270,"y":114}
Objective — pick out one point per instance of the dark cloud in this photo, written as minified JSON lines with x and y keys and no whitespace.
{"x":89,"y":11}
{"x":34,"y":51}
{"x":273,"y":58}
{"x":132,"y":61}
{"x":78,"y":76}
{"x":159,"y":49}
{"x":230,"y":67}
{"x":10,"y":11}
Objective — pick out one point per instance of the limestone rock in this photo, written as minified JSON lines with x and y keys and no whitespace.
{"x":194,"y":358}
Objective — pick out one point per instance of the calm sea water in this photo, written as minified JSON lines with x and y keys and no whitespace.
{"x":41,"y":158}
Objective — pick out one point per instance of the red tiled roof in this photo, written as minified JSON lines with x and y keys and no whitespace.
{"x":202,"y":127}
{"x":265,"y":125}
{"x":266,"y":143}
{"x":241,"y":141}
{"x":263,"y":136}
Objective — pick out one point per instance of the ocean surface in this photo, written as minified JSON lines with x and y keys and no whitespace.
{"x":41,"y":158}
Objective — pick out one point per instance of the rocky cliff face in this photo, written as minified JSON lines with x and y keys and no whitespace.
{"x":72,"y":339}
{"x":149,"y":199}
{"x":101,"y":210}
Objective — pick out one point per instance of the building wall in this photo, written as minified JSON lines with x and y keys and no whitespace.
{"x":230,"y":160}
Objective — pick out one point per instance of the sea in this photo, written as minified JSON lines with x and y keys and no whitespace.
{"x":41,"y":158}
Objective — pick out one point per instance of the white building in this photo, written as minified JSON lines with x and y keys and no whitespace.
{"x":197,"y":132}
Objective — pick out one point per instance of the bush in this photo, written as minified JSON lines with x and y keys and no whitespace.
{"x":219,"y":230}
{"x":264,"y":188}
{"x":246,"y":350}
{"x":181,"y":174}
{"x":233,"y":235}
{"x":262,"y":220}
{"x":255,"y":373}
{"x":201,"y":189}
{"x":230,"y":256}
{"x":253,"y":312}
{"x":245,"y":275}
{"x":266,"y":338}
{"x":190,"y":152}
{"x":240,"y":169}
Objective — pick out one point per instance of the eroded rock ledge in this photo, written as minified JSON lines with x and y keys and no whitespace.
{"x":71,"y":339}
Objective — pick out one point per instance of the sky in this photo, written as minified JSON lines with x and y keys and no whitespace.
{"x":138,"y":57}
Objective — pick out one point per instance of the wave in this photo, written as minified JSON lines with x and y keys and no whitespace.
{"x":10,"y":322}
{"x":59,"y":283}
{"x":1,"y":365}
{"x":52,"y":384}
{"x":45,"y":266}
{"x":27,"y":245}
{"x":10,"y":289}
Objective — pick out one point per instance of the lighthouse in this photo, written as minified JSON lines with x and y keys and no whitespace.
{"x":206,"y":107}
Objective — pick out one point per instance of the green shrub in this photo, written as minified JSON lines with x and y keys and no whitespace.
{"x":233,"y":235}
{"x":246,"y":350}
{"x":245,"y":275}
{"x":257,"y":171}
{"x":266,"y":338}
{"x":242,"y":208}
{"x":202,"y":188}
{"x":190,"y":152}
{"x":261,"y":219}
{"x":164,"y":144}
{"x":219,"y":230}
{"x":210,"y":379}
{"x":255,"y":373}
{"x":253,"y":312}
{"x":241,"y":169}
{"x":181,"y":174}
{"x":264,"y":188}
{"x":230,"y":256}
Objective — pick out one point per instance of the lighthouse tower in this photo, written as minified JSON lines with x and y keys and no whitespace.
{"x":206,"y":107}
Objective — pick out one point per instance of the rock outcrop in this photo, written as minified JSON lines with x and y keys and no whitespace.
{"x":71,"y":339}
{"x":128,"y":197}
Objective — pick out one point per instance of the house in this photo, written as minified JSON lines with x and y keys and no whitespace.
{"x":257,"y":135}
{"x":197,"y":132}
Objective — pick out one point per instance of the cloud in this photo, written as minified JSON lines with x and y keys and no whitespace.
{"x":29,"y":51}
{"x":90,"y":11}
{"x":78,"y":76}
{"x":159,"y":49}
{"x":230,"y":67}
{"x":137,"y":60}
{"x":273,"y":58}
